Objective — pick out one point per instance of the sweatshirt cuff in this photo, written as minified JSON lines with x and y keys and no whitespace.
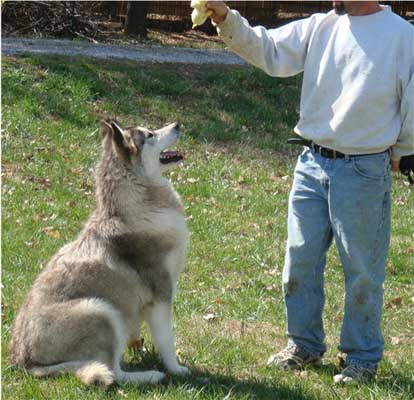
{"x":397,"y":153}
{"x":225,"y":29}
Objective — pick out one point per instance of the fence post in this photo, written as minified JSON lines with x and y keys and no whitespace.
{"x":135,"y":23}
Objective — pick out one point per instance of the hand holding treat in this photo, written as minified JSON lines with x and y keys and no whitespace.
{"x":219,"y":10}
{"x":200,"y":12}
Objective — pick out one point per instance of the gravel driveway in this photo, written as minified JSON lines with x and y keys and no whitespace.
{"x":155,"y":54}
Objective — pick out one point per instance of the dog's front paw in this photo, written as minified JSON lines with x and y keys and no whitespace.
{"x":179,"y":370}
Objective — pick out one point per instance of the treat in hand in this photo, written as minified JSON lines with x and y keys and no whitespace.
{"x":200,"y":12}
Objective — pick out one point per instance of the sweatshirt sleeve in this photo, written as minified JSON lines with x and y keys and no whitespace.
{"x":279,"y":52}
{"x":405,"y":141}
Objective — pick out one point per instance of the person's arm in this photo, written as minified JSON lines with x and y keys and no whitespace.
{"x":279,"y":52}
{"x":405,"y":142}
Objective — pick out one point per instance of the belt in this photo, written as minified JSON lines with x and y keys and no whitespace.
{"x":323,"y":151}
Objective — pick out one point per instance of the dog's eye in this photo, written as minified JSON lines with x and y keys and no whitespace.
{"x":150,"y":135}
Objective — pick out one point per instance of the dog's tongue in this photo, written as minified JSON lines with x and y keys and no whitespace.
{"x":170,"y":156}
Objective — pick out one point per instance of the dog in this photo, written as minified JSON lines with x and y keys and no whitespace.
{"x":122,"y":270}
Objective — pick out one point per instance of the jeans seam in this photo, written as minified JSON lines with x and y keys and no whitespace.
{"x":374,"y":256}
{"x":315,"y":277}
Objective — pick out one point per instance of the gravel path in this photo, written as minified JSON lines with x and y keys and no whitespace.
{"x":155,"y":54}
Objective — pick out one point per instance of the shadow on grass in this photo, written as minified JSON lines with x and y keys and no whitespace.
{"x":205,"y":385}
{"x":214,"y":386}
{"x":211,"y":385}
{"x":201,"y":383}
{"x":216,"y":103}
{"x":395,"y":382}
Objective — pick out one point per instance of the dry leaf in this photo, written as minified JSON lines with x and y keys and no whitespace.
{"x":122,"y":393}
{"x":51,"y":232}
{"x":400,"y":201}
{"x":209,"y":317}
{"x":395,"y":341}
{"x":136,"y":344}
{"x":71,"y":203}
{"x":397,"y":301}
{"x":54,"y":234}
{"x":37,"y":217}
{"x":273,"y":272}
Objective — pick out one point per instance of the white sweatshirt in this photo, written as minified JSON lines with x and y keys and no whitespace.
{"x":358,"y":82}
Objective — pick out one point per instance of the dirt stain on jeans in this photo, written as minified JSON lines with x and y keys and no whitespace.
{"x":291,"y":286}
{"x":361,"y":292}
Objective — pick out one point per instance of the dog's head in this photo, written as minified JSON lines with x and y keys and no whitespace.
{"x":141,"y":150}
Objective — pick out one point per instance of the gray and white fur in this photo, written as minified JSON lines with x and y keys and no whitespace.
{"x":90,"y":300}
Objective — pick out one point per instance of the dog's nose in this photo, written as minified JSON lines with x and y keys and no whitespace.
{"x":176,"y":125}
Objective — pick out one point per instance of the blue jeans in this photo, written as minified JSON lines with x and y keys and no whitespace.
{"x":347,"y":199}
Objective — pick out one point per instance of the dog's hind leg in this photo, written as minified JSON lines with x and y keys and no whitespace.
{"x":120,"y":334}
{"x":121,"y":340}
{"x":160,"y":323}
{"x":86,"y":336}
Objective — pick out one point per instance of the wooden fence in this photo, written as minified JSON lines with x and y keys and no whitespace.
{"x":258,"y":10}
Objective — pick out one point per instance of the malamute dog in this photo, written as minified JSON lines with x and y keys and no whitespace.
{"x":92,"y":297}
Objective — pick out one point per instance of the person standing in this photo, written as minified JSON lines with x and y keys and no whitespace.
{"x":356,"y":122}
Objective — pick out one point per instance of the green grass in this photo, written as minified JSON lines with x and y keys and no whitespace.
{"x":234,"y":185}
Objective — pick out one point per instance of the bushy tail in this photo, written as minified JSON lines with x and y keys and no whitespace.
{"x":89,"y":372}
{"x":95,"y":372}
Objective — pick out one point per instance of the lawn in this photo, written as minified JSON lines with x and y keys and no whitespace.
{"x":229,"y":312}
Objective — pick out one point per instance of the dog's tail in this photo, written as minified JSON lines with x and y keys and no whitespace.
{"x":89,"y":372}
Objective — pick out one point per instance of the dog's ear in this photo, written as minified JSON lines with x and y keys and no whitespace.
{"x":121,"y":142}
{"x":118,"y":135}
{"x":106,"y":128}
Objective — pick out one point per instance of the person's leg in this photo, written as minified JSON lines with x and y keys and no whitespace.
{"x":360,"y":216}
{"x":309,"y":237}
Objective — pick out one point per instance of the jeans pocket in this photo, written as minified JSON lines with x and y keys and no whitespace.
{"x":375,"y":167}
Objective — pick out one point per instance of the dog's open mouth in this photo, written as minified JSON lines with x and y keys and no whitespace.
{"x":170,"y":156}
